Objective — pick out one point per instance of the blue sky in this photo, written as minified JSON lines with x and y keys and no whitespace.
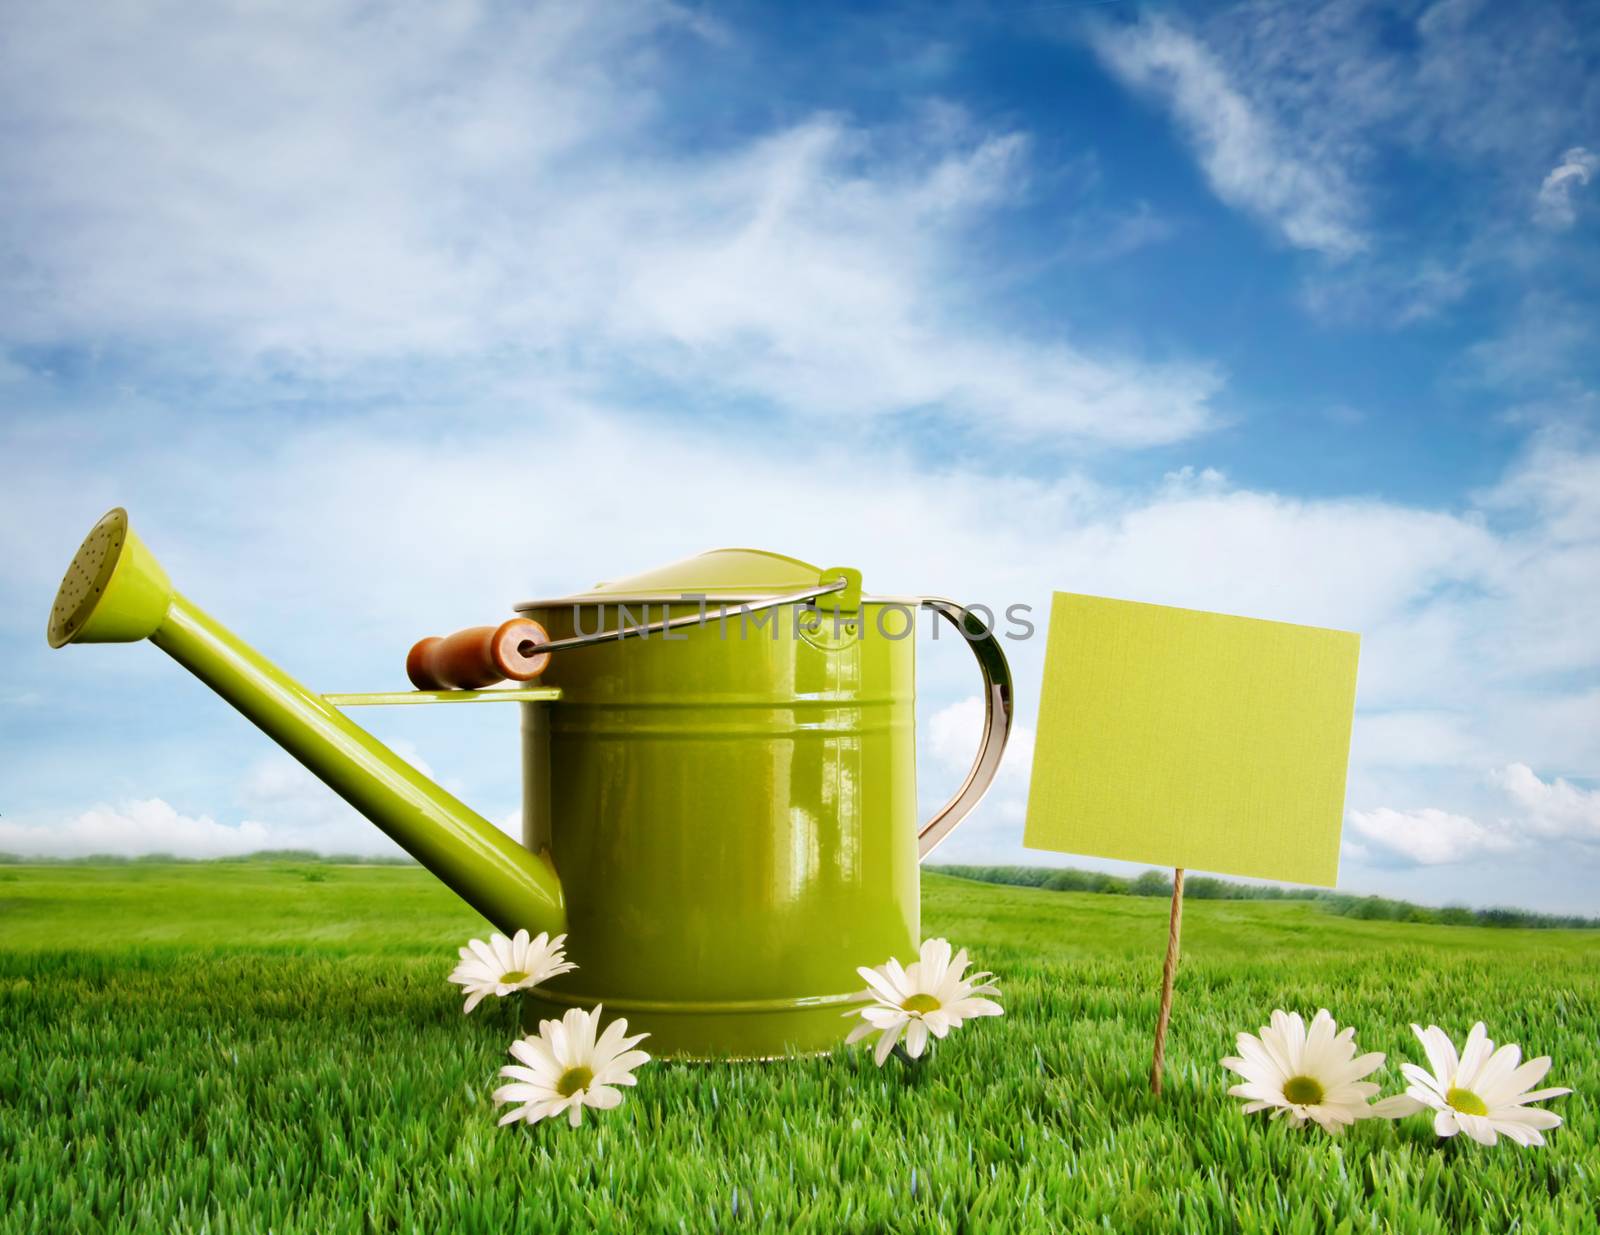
{"x":378,"y":318}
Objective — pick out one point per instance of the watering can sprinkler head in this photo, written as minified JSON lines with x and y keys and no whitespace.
{"x":113,"y":592}
{"x":116,"y":592}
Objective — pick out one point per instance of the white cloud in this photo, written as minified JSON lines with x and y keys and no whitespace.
{"x":278,"y":780}
{"x":1363,"y":565}
{"x":1554,"y":206}
{"x":952,"y":739}
{"x":342,"y":196}
{"x":294,"y":810}
{"x":797,"y":276}
{"x":132,"y":828}
{"x":953,"y":735}
{"x":1542,"y":812}
{"x":1250,"y":162}
{"x":1556,"y":808}
{"x":1541,"y":587}
{"x":1453,"y":104}
{"x":1426,"y":837}
{"x":1409,"y":739}
{"x":1400,"y":291}
{"x":365,"y":534}
{"x":1542,"y":340}
{"x":286,"y":807}
{"x":1100,"y":235}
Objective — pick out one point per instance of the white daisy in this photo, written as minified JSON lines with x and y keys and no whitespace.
{"x":504,"y":965}
{"x":1482,"y":1092}
{"x":1307,"y":1074}
{"x":927,"y":996}
{"x":566,"y":1069}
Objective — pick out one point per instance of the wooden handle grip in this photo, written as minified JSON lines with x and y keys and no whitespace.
{"x":479,"y":656}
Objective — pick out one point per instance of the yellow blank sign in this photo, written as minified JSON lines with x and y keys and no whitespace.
{"x":1182,"y":738}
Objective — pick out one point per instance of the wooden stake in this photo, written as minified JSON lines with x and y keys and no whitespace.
{"x":1168,"y":972}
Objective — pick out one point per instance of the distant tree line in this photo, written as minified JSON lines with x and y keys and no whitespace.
{"x":1205,"y":888}
{"x":261,"y":855}
{"x":1051,"y":879}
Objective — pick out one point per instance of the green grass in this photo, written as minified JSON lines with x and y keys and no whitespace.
{"x":272,"y":1046}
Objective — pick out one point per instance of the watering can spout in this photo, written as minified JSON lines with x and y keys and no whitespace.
{"x":116,"y":592}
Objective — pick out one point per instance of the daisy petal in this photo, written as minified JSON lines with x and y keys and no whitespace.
{"x":1520,"y":1133}
{"x":1496,"y":1070}
{"x":1528,"y":1075}
{"x":881,"y":986}
{"x":1397,"y":1107}
{"x":886,"y":1044}
{"x":1532,"y":1116}
{"x":1478,"y":1128}
{"x":1473,"y":1056}
{"x":1441,"y":1053}
{"x":1422,"y":1078}
{"x":1539,"y":1095}
{"x":628,"y":1061}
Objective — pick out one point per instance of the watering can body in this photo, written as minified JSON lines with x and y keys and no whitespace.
{"x":719,"y":783}
{"x":732,"y":810}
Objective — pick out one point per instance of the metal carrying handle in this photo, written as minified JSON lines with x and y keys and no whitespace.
{"x":692,"y":619}
{"x":997,"y":711}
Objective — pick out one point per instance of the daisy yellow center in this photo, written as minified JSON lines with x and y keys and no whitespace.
{"x":1467,"y":1102}
{"x":515,"y":976}
{"x":1302,"y":1091}
{"x":920,"y":1003}
{"x":572,"y":1080}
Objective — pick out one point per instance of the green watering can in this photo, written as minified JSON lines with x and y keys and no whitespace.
{"x":719,"y":762}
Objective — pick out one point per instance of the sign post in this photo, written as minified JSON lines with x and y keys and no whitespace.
{"x":1169,"y":970}
{"x":1194,"y":740}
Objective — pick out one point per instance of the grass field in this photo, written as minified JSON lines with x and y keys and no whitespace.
{"x":254,"y":1047}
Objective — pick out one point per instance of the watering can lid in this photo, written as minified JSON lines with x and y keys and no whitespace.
{"x":725,"y":574}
